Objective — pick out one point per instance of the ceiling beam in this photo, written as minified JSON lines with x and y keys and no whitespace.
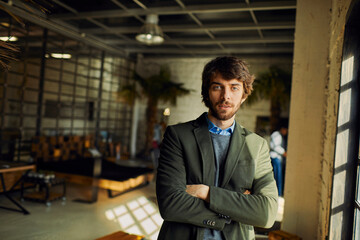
{"x":208,"y":8}
{"x":96,"y":22}
{"x":192,"y":28}
{"x":233,"y":40}
{"x":257,"y":50}
{"x":254,"y":19}
{"x":57,"y":27}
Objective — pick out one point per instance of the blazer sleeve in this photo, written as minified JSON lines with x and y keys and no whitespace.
{"x":175,"y":204}
{"x":258,"y":208}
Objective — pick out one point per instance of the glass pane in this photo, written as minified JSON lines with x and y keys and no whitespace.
{"x":357,"y":225}
{"x":357,"y":197}
{"x":358,"y":186}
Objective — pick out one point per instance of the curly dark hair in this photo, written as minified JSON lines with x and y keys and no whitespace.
{"x":229,"y":68}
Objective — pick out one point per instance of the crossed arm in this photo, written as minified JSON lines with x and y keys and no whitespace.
{"x":193,"y":204}
{"x":202,"y":191}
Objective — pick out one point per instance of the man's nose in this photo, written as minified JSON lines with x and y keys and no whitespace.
{"x":226,"y":94}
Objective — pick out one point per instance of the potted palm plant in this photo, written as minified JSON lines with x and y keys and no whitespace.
{"x":273,"y":85}
{"x":156,"y":88}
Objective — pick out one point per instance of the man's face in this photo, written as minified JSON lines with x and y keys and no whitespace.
{"x":283,"y":131}
{"x":225,"y":97}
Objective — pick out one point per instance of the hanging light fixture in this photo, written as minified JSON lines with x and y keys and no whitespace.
{"x":9,"y":39}
{"x":150,"y":33}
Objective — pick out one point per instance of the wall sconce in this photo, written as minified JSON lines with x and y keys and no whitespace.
{"x":150,"y":33}
{"x":166,"y":112}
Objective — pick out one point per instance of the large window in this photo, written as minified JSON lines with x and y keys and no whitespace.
{"x":345,"y":210}
{"x":60,"y":86}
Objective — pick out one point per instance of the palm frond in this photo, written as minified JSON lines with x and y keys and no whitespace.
{"x":16,"y":18}
{"x":273,"y":84}
{"x":7,"y":53}
{"x":156,"y":87}
{"x":140,"y":80}
{"x":128,"y":94}
{"x":41,"y":6}
{"x":172,"y":91}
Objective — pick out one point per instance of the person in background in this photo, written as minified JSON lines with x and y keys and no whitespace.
{"x":157,"y":138}
{"x":215,"y":179}
{"x":278,"y":156}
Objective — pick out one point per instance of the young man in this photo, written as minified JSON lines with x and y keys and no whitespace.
{"x":215,"y":179}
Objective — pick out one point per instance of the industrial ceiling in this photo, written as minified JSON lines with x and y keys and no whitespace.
{"x":191,"y":28}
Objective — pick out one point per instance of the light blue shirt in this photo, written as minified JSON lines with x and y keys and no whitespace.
{"x":215,"y":129}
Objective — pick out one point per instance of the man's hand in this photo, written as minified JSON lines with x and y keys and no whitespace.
{"x":199,"y":190}
{"x":202,"y":191}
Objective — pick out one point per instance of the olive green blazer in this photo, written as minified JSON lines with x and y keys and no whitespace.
{"x":187,"y":157}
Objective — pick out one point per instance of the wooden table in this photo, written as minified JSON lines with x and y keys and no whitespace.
{"x":7,"y":167}
{"x":120,"y":235}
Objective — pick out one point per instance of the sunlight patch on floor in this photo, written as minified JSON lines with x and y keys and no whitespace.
{"x":139,"y":216}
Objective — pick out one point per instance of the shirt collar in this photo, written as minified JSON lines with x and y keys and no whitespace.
{"x":215,"y":129}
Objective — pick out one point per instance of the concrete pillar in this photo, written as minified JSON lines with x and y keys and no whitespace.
{"x":313,"y":115}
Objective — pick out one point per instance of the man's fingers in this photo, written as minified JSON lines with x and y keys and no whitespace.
{"x":247,"y":192}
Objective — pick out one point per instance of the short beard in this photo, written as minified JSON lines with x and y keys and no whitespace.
{"x":216,"y":115}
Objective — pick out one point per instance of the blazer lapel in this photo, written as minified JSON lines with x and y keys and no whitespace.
{"x":234,"y":153}
{"x":204,"y":143}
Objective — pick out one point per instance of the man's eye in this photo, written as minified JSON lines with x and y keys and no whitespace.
{"x":216,"y":87}
{"x":235,"y":88}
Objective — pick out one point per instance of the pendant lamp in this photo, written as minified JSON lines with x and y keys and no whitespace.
{"x":150,"y":33}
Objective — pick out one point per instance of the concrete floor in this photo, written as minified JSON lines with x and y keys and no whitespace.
{"x":134,"y":212}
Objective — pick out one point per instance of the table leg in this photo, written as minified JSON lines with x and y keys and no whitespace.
{"x":23,"y":210}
